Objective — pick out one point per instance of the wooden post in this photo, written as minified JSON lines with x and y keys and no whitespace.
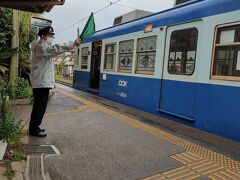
{"x":14,"y":44}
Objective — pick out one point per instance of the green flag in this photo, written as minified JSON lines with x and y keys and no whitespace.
{"x":89,"y":28}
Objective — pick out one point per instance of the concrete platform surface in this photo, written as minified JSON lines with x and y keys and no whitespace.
{"x":2,"y":171}
{"x":98,"y":142}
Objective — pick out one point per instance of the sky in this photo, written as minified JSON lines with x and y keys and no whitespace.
{"x":73,"y":14}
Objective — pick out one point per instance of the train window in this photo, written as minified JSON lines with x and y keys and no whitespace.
{"x":125,"y":56}
{"x":183,"y":48}
{"x":110,"y":56}
{"x":146,"y":54}
{"x":84,"y":58}
{"x":226,"y":62}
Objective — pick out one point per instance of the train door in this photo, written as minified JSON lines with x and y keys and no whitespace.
{"x":95,"y":65}
{"x":178,"y":90}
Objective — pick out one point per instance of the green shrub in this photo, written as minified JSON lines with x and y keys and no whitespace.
{"x":5,"y":88}
{"x":9,"y":174}
{"x":11,"y":131}
{"x":23,"y":90}
{"x":18,"y":156}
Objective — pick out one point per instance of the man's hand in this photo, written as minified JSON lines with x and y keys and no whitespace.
{"x":77,"y":42}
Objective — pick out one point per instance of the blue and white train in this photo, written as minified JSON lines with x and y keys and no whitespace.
{"x":182,"y":63}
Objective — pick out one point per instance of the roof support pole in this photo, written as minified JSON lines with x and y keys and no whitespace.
{"x":15,"y":56}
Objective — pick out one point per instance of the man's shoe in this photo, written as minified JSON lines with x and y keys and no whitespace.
{"x":38,"y":134}
{"x":41,"y":130}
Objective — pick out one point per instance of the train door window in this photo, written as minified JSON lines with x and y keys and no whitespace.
{"x":84,"y":58}
{"x":110,"y":56}
{"x":226,"y":61}
{"x":182,"y":55}
{"x":146,"y":55}
{"x":125,"y":56}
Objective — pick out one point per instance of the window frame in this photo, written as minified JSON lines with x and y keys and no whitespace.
{"x":215,"y":44}
{"x":137,"y":59}
{"x":78,"y":54}
{"x":122,"y":70}
{"x":114,"y":56}
{"x":196,"y":50}
{"x":81,"y":64}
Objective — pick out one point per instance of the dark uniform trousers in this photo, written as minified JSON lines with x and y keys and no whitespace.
{"x":40,"y":101}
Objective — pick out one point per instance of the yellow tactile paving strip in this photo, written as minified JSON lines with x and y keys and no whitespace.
{"x":221,"y":167}
{"x":79,"y":109}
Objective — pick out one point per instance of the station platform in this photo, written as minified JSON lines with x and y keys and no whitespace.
{"x":100,"y":139}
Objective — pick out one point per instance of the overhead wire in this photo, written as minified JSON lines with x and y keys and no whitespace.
{"x":123,"y":5}
{"x":111,"y":3}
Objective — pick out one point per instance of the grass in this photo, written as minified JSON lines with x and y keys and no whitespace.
{"x":18,"y":156}
{"x":62,"y":79}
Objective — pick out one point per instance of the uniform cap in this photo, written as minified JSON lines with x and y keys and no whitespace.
{"x":46,"y":30}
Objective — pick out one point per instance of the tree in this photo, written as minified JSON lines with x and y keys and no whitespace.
{"x":25,"y":40}
{"x":60,"y":67}
{"x":24,"y":37}
{"x":5,"y":28}
{"x":5,"y":38}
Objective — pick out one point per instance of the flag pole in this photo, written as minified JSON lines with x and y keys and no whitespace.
{"x":78,"y":51}
{"x":76,"y":59}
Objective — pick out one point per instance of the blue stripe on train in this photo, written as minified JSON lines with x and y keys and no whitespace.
{"x":210,"y":106}
{"x":142,"y":93}
{"x":217,"y":110}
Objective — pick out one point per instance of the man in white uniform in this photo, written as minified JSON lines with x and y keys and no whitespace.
{"x":42,"y":75}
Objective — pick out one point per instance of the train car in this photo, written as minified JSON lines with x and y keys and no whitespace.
{"x":182,"y":64}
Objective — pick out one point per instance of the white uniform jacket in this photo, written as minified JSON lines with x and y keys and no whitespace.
{"x":43,"y":72}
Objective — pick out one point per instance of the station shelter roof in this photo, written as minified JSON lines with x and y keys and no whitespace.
{"x":36,"y":6}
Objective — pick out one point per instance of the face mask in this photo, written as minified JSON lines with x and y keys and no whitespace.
{"x":49,"y":40}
